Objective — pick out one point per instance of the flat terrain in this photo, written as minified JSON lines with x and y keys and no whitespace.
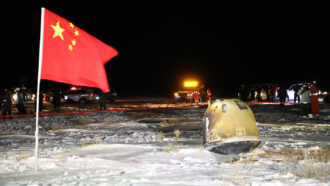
{"x":162,"y":147}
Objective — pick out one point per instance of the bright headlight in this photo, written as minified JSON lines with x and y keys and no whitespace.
{"x":15,"y":97}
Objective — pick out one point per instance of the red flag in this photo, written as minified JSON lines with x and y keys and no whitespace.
{"x":70,"y":55}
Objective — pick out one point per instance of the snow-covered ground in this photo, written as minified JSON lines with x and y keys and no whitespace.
{"x":162,"y":147}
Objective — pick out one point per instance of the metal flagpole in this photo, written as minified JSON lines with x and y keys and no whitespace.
{"x":36,"y":150}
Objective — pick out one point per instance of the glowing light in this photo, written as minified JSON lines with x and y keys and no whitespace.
{"x":15,"y":97}
{"x":190,"y":84}
{"x":73,"y":88}
{"x":290,"y":94}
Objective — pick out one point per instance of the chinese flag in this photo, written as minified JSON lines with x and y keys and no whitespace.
{"x":70,"y":55}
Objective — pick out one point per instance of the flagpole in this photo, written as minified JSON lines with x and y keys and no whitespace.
{"x":36,"y":150}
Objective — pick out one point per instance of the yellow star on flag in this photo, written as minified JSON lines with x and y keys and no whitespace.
{"x":70,"y":47}
{"x":71,"y":25}
{"x":76,"y":33}
{"x":58,"y":30}
{"x":73,"y":42}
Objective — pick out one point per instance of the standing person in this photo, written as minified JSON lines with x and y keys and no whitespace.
{"x":202,"y":92}
{"x":243,"y":92}
{"x":314,"y":100}
{"x":102,"y":101}
{"x":7,"y":102}
{"x":305,"y":100}
{"x":259,"y":89}
{"x":23,"y":90}
{"x":196,"y":96}
{"x":270,"y":93}
{"x":208,"y":94}
{"x":296,"y":96}
{"x":282,"y":94}
{"x":274,"y":92}
{"x":20,"y":105}
{"x":57,"y":100}
{"x":252,"y":92}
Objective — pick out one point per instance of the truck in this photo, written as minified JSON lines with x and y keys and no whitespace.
{"x":190,"y":90}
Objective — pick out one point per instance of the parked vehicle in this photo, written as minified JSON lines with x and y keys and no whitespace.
{"x":80,"y":95}
{"x":188,"y":90}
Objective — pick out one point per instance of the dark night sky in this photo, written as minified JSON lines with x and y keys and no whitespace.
{"x":160,"y":44}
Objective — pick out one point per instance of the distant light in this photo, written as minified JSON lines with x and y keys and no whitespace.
{"x":15,"y":97}
{"x":73,"y":88}
{"x":190,"y":84}
{"x":290,"y":94}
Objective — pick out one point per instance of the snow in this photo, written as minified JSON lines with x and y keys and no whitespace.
{"x":142,"y":148}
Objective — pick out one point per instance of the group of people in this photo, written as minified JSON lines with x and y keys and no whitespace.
{"x":253,"y":92}
{"x":7,"y":102}
{"x":202,"y":95}
{"x":306,"y":95}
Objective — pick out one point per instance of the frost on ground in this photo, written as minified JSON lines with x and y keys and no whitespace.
{"x":163,"y":147}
